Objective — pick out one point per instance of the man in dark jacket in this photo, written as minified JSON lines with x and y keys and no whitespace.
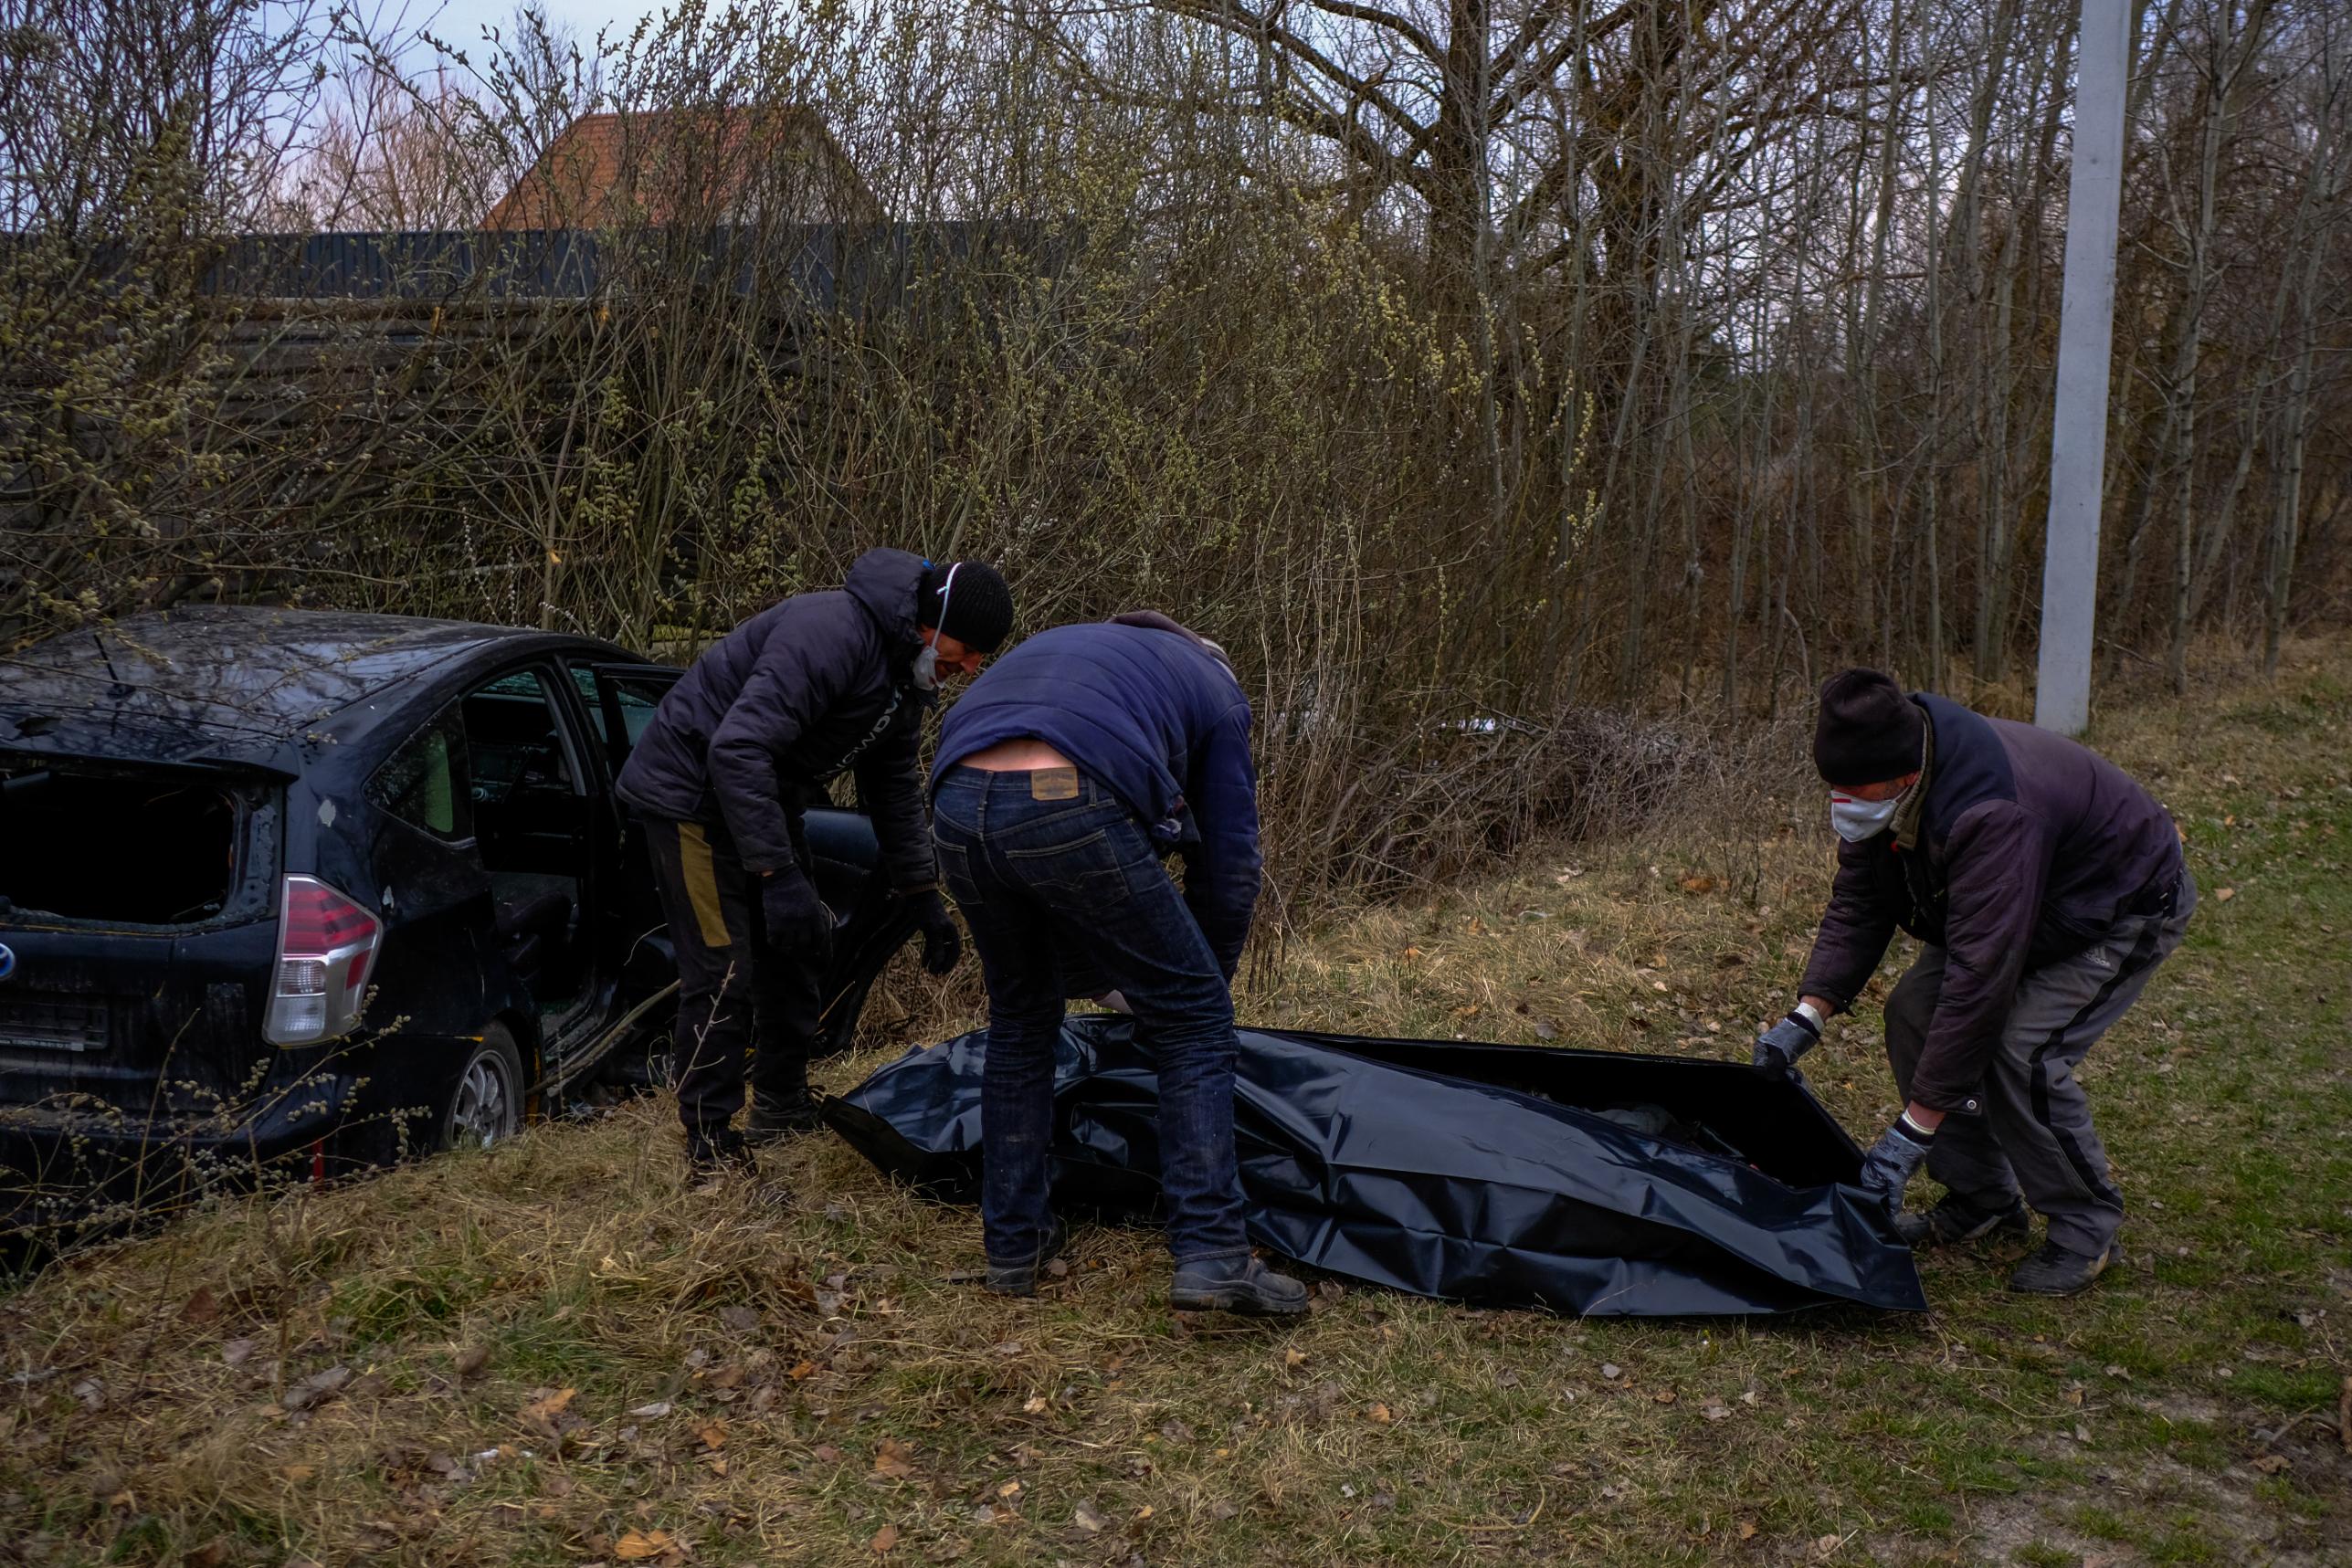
{"x":2047,"y":887}
{"x":813,"y":687}
{"x":1063,"y":776}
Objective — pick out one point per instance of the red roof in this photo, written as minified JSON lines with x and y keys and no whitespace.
{"x":690,"y":165}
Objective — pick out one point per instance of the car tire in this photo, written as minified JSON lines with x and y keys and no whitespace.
{"x":486,"y":1101}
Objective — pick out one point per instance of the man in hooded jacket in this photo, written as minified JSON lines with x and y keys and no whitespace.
{"x":813,"y":687}
{"x":2046,"y":886}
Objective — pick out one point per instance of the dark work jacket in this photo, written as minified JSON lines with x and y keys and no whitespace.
{"x":806,"y":690}
{"x":1156,"y":719}
{"x":2028,"y":848}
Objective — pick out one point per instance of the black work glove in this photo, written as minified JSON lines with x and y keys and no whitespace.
{"x":797,"y":921}
{"x":1894,"y":1160}
{"x":1778,"y":1048}
{"x":942,"y":946}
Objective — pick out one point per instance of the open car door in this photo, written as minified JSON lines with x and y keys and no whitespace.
{"x":870,"y":925}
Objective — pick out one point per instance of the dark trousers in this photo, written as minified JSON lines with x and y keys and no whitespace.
{"x":2035,"y":1132}
{"x":1049,"y":868}
{"x":734,"y":987}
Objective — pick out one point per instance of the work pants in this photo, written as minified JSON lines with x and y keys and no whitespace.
{"x":735,"y":990}
{"x":2034,"y":1131}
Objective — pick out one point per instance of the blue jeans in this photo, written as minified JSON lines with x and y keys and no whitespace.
{"x":1055,"y":877}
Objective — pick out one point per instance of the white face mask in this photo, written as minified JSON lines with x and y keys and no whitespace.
{"x":926,"y":659}
{"x":1856,"y":820}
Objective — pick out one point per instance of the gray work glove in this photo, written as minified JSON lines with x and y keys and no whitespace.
{"x":1778,"y":1048}
{"x":1894,"y":1160}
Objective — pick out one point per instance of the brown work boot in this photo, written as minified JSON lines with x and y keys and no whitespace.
{"x":1240,"y":1283}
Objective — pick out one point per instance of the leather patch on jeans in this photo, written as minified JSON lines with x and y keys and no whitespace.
{"x":1053,"y":784}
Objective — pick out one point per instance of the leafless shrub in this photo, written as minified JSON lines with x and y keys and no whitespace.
{"x":1451,"y":365}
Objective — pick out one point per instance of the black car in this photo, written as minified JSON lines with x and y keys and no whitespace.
{"x":286,"y":885}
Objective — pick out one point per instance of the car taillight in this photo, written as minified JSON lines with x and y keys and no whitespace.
{"x":326,"y":943}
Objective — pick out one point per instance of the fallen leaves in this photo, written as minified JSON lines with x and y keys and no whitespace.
{"x":472,"y":1359}
{"x":2224,"y":895}
{"x":893,"y":1461}
{"x":884,"y":1538}
{"x":642,"y":1545}
{"x":543,"y":1412}
{"x":316,"y":1389}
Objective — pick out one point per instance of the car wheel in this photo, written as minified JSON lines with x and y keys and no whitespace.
{"x":486,"y":1106}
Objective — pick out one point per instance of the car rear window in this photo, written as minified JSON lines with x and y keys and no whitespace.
{"x":107,"y":845}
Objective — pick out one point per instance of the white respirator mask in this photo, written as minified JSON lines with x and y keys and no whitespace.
{"x":926,"y":659}
{"x":1856,"y":820}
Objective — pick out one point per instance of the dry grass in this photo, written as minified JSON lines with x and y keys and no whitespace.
{"x":551,"y":1355}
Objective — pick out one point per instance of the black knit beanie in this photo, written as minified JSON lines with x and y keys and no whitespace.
{"x":1868,"y":731}
{"x":976,"y":608}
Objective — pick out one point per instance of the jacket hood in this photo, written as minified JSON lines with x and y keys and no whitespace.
{"x":886,"y":582}
{"x":1152,"y":620}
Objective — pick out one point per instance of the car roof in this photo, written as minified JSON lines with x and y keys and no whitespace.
{"x":212,"y":683}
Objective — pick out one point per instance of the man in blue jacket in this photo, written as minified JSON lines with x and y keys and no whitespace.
{"x":815,"y":686}
{"x":1063,"y":776}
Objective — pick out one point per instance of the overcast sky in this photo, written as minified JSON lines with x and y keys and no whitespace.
{"x":461,"y":23}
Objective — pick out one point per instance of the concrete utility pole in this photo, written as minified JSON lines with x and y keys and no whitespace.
{"x":2086,"y":321}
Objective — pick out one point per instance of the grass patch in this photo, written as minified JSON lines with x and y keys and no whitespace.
{"x":551,"y":1355}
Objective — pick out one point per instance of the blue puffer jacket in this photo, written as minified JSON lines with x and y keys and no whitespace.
{"x":1158,"y":720}
{"x":808,"y":689}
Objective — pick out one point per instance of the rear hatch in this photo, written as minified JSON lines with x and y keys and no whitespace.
{"x":137,"y":902}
